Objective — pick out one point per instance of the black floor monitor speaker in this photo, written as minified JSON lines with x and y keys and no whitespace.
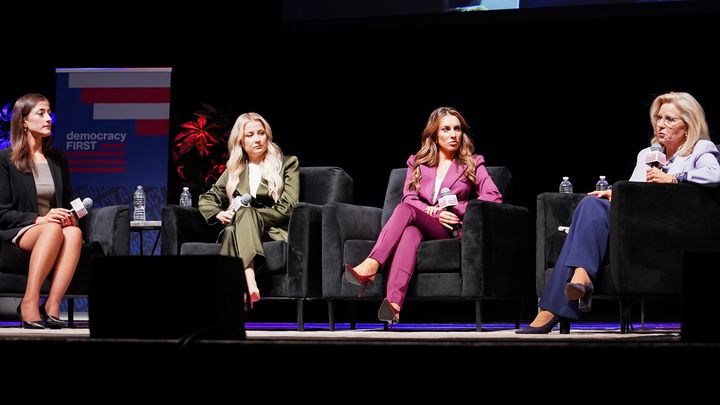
{"x":167,"y":297}
{"x":701,"y":278}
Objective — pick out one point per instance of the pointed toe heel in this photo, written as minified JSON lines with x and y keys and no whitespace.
{"x":582,"y":293}
{"x":355,"y":278}
{"x":51,"y":322}
{"x":543,"y":329}
{"x":30,"y":324}
{"x":388,"y":313}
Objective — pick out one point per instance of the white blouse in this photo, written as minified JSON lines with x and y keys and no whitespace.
{"x":255,"y":177}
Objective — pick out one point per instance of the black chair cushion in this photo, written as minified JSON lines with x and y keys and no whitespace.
{"x":275,"y":254}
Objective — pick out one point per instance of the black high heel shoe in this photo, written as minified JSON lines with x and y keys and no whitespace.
{"x":31,"y":324}
{"x":388,"y":313}
{"x":540,"y":330}
{"x":582,"y":293}
{"x":51,"y":322}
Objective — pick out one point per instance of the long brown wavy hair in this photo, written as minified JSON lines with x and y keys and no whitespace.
{"x":430,"y":151}
{"x":20,"y":155}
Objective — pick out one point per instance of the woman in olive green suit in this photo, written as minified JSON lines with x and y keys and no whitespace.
{"x":257,"y":167}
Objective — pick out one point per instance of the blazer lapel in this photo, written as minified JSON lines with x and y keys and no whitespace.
{"x":244,"y":181}
{"x":28,"y":182}
{"x":427,"y":182}
{"x":454,"y":173}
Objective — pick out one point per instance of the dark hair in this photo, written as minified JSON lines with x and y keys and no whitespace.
{"x":20,"y":155}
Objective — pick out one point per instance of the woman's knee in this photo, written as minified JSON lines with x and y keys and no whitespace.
{"x":72,"y":235}
{"x":592,"y":203}
{"x":50,"y":231}
{"x":404,"y":209}
{"x":412,"y":233}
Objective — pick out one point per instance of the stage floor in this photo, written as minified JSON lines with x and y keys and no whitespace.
{"x":418,"y":333}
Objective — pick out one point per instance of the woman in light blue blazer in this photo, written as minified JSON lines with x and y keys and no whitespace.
{"x":682,"y":132}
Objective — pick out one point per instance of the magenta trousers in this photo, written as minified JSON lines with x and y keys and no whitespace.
{"x":401,"y":235}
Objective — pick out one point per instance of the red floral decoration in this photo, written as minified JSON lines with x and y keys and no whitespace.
{"x":200,"y":149}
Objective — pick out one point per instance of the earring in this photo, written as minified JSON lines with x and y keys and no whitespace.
{"x":25,"y":128}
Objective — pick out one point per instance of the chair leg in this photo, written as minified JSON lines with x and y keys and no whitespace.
{"x":478,"y":315}
{"x":331,"y":315}
{"x":519,"y":313}
{"x":353,"y":315}
{"x":642,"y":314}
{"x":625,"y":323}
{"x":71,"y":312}
{"x":300,"y":311}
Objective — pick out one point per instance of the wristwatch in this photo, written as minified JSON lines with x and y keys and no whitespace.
{"x":679,"y":177}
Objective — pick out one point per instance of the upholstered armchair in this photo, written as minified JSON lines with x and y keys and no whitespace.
{"x":650,"y":227}
{"x":292,"y":268}
{"x":106,"y":231}
{"x":489,"y":262}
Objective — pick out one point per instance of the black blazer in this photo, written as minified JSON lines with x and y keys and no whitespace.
{"x":18,"y":195}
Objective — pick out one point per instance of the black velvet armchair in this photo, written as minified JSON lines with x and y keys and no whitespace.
{"x":650,"y":227}
{"x":106,"y":231}
{"x":292,"y":268}
{"x":490,"y":261}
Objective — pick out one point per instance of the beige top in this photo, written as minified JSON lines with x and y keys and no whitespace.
{"x":45,"y":188}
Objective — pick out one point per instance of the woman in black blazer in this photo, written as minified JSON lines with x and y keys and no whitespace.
{"x":35,"y":186}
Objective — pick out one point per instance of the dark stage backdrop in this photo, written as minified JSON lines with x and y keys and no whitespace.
{"x":548,"y":92}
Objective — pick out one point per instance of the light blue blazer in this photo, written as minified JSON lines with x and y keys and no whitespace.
{"x":701,"y":165}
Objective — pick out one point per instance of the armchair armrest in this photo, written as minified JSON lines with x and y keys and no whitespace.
{"x":341,"y":222}
{"x":304,"y":251}
{"x":110,"y":227}
{"x":184,"y":224}
{"x":553,"y":210}
{"x":496,"y":235}
{"x":651,"y":225}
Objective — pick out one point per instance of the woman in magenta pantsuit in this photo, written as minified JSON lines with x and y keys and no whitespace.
{"x":445,"y":160}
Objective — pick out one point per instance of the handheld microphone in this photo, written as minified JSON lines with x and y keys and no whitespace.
{"x":655,"y":157}
{"x":446,"y":201}
{"x":241,"y":201}
{"x":81,"y":208}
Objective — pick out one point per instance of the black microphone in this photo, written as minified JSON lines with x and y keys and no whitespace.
{"x":655,"y":157}
{"x":446,"y":201}
{"x":81,"y":208}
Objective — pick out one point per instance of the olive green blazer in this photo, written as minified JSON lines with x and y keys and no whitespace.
{"x":275,"y":215}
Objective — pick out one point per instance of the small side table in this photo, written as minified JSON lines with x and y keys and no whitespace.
{"x":140,"y":226}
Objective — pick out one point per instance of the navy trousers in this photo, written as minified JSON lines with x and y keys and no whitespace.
{"x":584,"y":247}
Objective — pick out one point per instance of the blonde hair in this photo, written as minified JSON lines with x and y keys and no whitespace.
{"x":429,"y":151}
{"x":691,"y":113}
{"x":271,"y":165}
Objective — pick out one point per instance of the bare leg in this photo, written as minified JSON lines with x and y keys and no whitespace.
{"x":368,"y":267}
{"x":580,"y":276}
{"x":65,"y":265}
{"x":252,"y":284}
{"x":43,"y":242}
{"x":542,"y":318}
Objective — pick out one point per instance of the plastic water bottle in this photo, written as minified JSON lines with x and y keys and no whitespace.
{"x":602,"y":184}
{"x":139,"y":204}
{"x":185,"y":198}
{"x":566,"y":186}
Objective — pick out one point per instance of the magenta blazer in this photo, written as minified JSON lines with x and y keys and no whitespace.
{"x":484,"y":187}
